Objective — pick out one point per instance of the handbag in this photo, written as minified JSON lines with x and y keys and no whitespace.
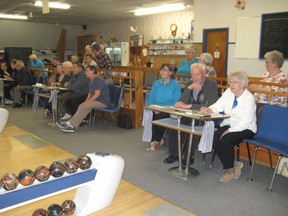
{"x":124,"y":121}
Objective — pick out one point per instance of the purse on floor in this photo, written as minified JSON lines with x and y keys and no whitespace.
{"x":124,"y":121}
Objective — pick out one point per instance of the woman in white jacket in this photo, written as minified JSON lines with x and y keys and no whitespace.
{"x":240,"y":104}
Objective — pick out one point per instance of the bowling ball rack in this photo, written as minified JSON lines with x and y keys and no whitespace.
{"x":95,"y":187}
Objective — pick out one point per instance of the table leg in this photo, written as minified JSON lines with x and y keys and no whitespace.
{"x":53,"y":100}
{"x":189,"y":171}
{"x":36,"y":99}
{"x":2,"y":93}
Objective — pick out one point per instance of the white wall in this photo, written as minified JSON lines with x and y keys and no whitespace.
{"x":36,"y":35}
{"x":156,"y":26}
{"x":223,"y":14}
{"x":208,"y":14}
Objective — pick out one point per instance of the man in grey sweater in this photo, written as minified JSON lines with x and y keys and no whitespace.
{"x":78,"y":90}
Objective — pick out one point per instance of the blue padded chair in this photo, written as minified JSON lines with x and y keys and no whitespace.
{"x":116,"y":93}
{"x":259,"y":107}
{"x":272,"y":135}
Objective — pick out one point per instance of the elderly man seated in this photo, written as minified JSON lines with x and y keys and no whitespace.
{"x":78,"y":87}
{"x":24,"y":82}
{"x":198,"y":92}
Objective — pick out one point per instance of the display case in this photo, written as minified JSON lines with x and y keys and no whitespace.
{"x":137,"y":54}
{"x":170,"y":47}
{"x":118,"y":53}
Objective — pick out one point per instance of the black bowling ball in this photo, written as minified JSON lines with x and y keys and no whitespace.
{"x":57,"y":169}
{"x":84,"y":162}
{"x":55,"y":210}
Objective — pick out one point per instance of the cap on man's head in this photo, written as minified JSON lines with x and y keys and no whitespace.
{"x":95,"y":46}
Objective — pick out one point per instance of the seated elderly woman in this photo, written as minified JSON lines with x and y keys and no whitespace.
{"x":240,"y":104}
{"x":274,"y":74}
{"x":207,"y":59}
{"x":165,"y":92}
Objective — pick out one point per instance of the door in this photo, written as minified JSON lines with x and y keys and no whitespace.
{"x":215,"y":42}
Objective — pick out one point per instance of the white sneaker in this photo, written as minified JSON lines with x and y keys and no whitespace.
{"x":61,"y":125}
{"x":8,"y":102}
{"x":66,"y":117}
{"x":68,"y":129}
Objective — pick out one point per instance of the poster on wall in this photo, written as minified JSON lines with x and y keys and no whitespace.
{"x":247,"y":37}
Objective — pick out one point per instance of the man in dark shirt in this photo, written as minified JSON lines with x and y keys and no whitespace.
{"x":78,"y":90}
{"x":24,"y":82}
{"x":199,"y":92}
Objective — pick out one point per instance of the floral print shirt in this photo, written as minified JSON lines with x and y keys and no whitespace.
{"x":274,"y":100}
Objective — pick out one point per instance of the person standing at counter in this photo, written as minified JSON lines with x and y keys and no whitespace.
{"x":185,"y":64}
{"x":101,"y":58}
{"x":240,"y":104}
{"x":165,"y":92}
{"x":36,"y":64}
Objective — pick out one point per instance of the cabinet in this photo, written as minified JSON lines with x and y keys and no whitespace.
{"x":137,"y":54}
{"x":82,"y":41}
{"x":170,"y":47}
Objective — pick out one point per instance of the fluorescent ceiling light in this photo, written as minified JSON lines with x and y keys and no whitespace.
{"x":53,"y":5}
{"x":12,"y":16}
{"x":160,"y":9}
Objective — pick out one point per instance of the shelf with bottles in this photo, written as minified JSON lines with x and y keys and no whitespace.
{"x":175,"y":47}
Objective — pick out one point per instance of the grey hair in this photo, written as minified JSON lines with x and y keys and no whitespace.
{"x":241,"y":75}
{"x":67,"y":63}
{"x":275,"y":57}
{"x":192,"y":48}
{"x":207,"y":58}
{"x":199,"y":65}
{"x":173,"y":62}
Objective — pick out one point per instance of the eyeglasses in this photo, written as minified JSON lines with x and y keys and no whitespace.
{"x":233,"y":83}
{"x":165,"y":70}
{"x":196,"y":75}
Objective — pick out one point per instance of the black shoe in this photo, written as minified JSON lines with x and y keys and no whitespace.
{"x":184,"y":161}
{"x":17,"y":105}
{"x":84,"y":123}
{"x":171,"y":159}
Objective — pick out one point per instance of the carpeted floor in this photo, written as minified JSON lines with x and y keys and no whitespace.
{"x":204,"y":195}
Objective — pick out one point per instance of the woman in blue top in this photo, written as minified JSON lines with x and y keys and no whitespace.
{"x":165,"y":92}
{"x":36,"y":64}
{"x":185,"y":64}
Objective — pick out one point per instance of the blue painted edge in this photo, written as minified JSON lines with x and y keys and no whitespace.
{"x":45,"y":188}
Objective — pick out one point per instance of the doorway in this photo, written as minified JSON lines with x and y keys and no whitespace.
{"x":215,"y":42}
